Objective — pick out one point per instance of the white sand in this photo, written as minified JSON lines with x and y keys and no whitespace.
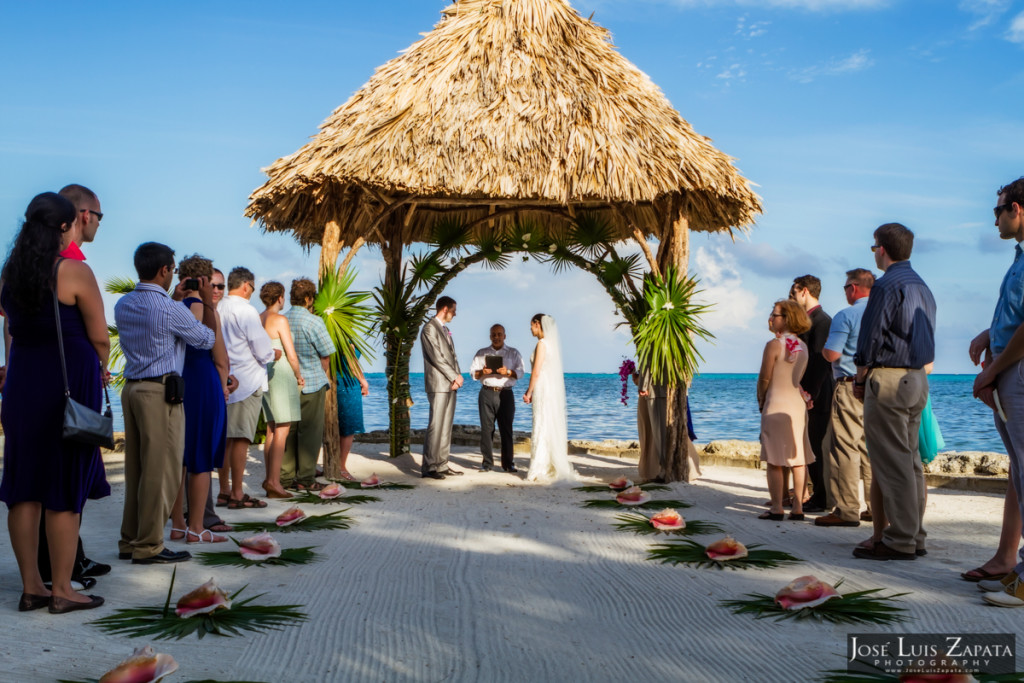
{"x":488,"y":578}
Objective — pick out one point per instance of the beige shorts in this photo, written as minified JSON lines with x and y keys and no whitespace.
{"x":244,"y":415}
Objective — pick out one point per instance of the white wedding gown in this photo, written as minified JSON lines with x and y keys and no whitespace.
{"x":549,"y":454}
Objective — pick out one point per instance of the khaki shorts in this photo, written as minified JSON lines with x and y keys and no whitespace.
{"x":244,"y":415}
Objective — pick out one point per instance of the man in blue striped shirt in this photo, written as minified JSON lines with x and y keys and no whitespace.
{"x":896,"y":342}
{"x":153,"y":331}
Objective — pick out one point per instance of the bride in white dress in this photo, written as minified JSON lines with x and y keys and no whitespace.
{"x":549,"y":455}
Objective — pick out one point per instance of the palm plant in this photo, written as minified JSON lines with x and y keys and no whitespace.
{"x":118,"y":286}
{"x":347,"y":317}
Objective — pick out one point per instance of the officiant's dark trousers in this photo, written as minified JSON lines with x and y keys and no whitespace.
{"x":500,"y":406}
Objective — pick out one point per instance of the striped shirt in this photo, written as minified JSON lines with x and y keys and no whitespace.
{"x":311,"y":344}
{"x":898,"y":326}
{"x":153,"y":330}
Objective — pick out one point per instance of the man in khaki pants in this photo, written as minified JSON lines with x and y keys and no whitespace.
{"x":846,"y":454}
{"x":896,"y":341}
{"x":153,"y":331}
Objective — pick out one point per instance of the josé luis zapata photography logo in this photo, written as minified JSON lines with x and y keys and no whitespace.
{"x":931,"y":653}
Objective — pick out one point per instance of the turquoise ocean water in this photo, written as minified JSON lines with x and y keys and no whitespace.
{"x":723,"y":407}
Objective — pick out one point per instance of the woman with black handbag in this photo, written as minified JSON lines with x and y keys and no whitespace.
{"x":44,"y":473}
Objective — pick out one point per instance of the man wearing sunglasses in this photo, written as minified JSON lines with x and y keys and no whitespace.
{"x":1000,"y":349}
{"x":896,"y":342}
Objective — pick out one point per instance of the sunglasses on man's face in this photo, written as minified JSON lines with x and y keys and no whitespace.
{"x":215,"y":286}
{"x":98,"y":214}
{"x":1002,"y":207}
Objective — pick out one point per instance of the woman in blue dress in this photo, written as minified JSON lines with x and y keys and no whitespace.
{"x":352,"y":386}
{"x":206,"y":377}
{"x":44,"y":474}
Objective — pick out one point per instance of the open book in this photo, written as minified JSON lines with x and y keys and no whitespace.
{"x":493,"y":362}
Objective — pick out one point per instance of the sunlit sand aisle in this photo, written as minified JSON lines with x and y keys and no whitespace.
{"x":486,"y":577}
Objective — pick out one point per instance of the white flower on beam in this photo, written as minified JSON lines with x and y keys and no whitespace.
{"x":668,"y":306}
{"x":497,"y":248}
{"x":526,"y":237}
{"x":552,"y":248}
{"x":329,"y":310}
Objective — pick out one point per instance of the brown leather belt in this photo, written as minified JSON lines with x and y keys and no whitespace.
{"x":845,"y":379}
{"x":498,"y":388}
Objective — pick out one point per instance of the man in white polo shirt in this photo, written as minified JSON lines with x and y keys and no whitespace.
{"x":249,"y":351}
{"x":496,"y":401}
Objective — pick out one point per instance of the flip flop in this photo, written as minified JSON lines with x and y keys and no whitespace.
{"x":979,"y":574}
{"x":221,"y":527}
{"x":347,"y":476}
{"x":773,"y":516}
{"x":315,"y":486}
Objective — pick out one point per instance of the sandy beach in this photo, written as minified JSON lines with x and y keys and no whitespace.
{"x":486,"y":577}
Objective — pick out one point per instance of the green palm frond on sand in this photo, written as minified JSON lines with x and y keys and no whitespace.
{"x":691,"y":552}
{"x":383,"y":486}
{"x":314,"y":499}
{"x":332,"y":520}
{"x":860,"y":607}
{"x":288,"y":557}
{"x":649,"y":505}
{"x":641,"y":524}
{"x":161,"y":623}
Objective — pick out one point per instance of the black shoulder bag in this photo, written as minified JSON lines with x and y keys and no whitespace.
{"x":81,"y":423}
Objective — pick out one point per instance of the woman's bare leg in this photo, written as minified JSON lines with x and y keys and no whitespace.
{"x":62,"y":537}
{"x":274,"y":455}
{"x":799,"y":489}
{"x":23,"y":527}
{"x":776,"y":487}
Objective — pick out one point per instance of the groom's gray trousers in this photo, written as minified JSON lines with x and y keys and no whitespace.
{"x":437,"y":445}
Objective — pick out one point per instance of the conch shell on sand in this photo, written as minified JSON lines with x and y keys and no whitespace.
{"x":620,"y":484}
{"x":633,"y":496}
{"x":290,"y":516}
{"x":202,"y":600}
{"x":331,"y":491}
{"x":259,"y":547}
{"x":806,"y":591}
{"x":668,"y":520}
{"x":144,"y":666}
{"x":370,"y":482}
{"x":726,"y":549}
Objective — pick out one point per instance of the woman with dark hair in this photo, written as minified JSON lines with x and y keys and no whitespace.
{"x":784,"y":440}
{"x":44,"y":474}
{"x":281,"y":400}
{"x":549,"y":443}
{"x":206,"y":389}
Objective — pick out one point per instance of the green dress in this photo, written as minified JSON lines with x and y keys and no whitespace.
{"x":281,"y":400}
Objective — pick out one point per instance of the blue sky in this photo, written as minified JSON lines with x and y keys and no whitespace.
{"x":846,"y":114}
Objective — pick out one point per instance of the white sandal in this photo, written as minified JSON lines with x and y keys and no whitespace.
{"x":183,"y":532}
{"x":201,"y":537}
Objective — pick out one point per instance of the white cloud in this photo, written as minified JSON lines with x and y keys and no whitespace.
{"x":751,"y":30}
{"x":858,"y":61}
{"x":986,"y":11}
{"x":1016,"y":32}
{"x":732,"y":72}
{"x":733,"y":308}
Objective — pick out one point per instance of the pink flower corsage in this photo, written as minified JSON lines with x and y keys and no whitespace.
{"x":792,"y":348}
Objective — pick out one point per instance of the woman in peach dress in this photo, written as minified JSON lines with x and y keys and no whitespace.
{"x":783,"y":405}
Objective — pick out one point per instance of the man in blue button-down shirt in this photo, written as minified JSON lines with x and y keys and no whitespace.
{"x":896,"y":342}
{"x":153,"y":330}
{"x":1002,"y":346}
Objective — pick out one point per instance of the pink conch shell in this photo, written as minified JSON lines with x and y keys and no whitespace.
{"x":202,"y":600}
{"x":290,"y":516}
{"x":633,"y":496}
{"x":619,"y":484}
{"x":726,"y":549}
{"x":668,"y":520}
{"x":331,"y":491}
{"x":370,"y":482}
{"x":144,"y":666}
{"x":260,"y":547}
{"x":807,"y":591}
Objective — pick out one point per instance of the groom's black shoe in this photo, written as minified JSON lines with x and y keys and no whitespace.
{"x":485,"y":468}
{"x":449,"y":472}
{"x":433,"y":475}
{"x":510,"y":470}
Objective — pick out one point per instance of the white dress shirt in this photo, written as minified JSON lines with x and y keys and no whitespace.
{"x":511,"y":359}
{"x":248,"y":344}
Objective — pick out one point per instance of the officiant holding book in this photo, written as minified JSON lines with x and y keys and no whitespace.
{"x":498,"y":367}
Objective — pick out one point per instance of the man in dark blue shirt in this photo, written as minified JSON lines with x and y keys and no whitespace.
{"x":896,"y":342}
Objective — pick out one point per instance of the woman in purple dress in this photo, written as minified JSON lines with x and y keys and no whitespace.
{"x":43,"y":473}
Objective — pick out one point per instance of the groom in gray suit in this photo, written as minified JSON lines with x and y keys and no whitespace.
{"x":443,"y":378}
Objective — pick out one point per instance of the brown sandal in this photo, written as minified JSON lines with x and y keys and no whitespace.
{"x":223,"y":499}
{"x":246,"y":502}
{"x":315,"y":486}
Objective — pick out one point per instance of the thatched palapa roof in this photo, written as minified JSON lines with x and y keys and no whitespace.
{"x":508,"y":108}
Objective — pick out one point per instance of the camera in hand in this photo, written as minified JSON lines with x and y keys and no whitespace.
{"x":192,"y":283}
